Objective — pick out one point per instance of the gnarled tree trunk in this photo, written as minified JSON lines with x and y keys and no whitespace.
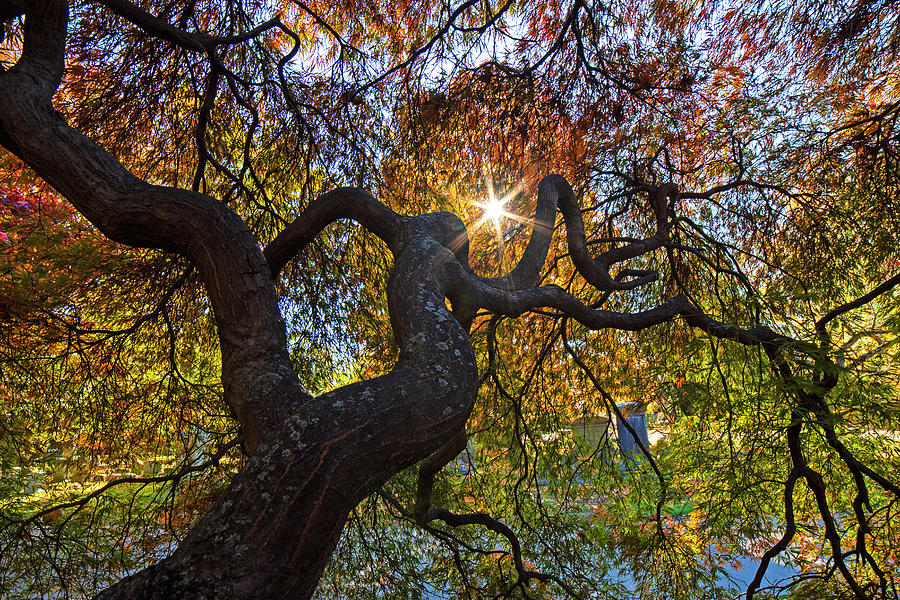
{"x":312,"y":460}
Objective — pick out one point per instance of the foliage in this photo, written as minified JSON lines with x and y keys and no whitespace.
{"x":777,"y":121}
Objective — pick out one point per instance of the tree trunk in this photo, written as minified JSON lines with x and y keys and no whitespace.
{"x":271,"y":533}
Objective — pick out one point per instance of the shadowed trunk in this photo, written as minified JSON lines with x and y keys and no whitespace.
{"x":311,"y":460}
{"x":271,"y":533}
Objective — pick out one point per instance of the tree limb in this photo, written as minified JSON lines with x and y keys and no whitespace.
{"x":131,"y":211}
{"x":346,"y":202}
{"x":864,"y":299}
{"x":194,"y":42}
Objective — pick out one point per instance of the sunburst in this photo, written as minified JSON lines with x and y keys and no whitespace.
{"x":494,"y":211}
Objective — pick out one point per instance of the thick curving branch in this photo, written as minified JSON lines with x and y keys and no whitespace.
{"x":292,"y":499}
{"x":193,"y":42}
{"x":596,"y":269}
{"x":528,"y":270}
{"x":345,"y":202}
{"x":429,"y":468}
{"x":514,"y":304}
{"x":136,"y":213}
{"x":554,"y":192}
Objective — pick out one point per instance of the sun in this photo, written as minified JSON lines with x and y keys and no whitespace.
{"x":494,"y":211}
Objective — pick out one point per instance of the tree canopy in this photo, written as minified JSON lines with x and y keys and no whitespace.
{"x":346,"y":299}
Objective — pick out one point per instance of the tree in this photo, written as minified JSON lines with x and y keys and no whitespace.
{"x":711,"y":197}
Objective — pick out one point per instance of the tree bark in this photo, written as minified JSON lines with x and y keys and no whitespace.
{"x":312,"y":460}
{"x":271,"y":533}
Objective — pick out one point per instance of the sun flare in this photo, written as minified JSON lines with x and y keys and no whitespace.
{"x":494,"y":211}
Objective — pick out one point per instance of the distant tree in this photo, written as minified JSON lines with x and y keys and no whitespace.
{"x":213,"y":386}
